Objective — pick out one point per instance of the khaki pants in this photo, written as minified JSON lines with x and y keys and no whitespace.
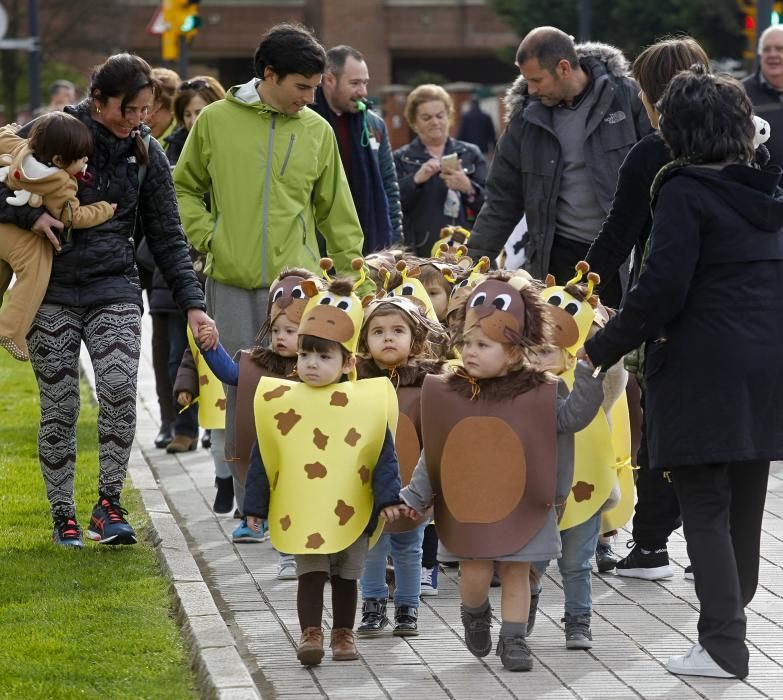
{"x":30,"y":257}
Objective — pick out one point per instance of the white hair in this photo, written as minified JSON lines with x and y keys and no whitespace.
{"x":766,"y":33}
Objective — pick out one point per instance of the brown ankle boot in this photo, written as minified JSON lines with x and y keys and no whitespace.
{"x":343,"y":645}
{"x":311,"y":646}
{"x":182,"y":443}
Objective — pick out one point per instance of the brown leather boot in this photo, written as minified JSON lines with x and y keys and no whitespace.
{"x":343,"y":645}
{"x":311,"y":646}
{"x":182,"y":443}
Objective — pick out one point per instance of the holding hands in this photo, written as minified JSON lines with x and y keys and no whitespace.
{"x":203,"y":328}
{"x":401,"y":510}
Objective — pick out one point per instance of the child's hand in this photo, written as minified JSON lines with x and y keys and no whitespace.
{"x":390,"y":513}
{"x":208,"y":336}
{"x":184,"y":398}
{"x":581,"y":354}
{"x":407,"y":512}
{"x":113,"y":205}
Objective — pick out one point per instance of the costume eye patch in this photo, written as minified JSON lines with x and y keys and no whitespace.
{"x":344,"y":303}
{"x":555,"y":300}
{"x":278,"y":293}
{"x":297,"y":292}
{"x":501,"y":302}
{"x":407,"y":290}
{"x":478,"y":300}
{"x":326,"y":299}
{"x":572,"y":308}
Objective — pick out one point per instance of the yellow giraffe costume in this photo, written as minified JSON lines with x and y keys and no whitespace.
{"x":602,"y":449}
{"x":320,"y":445}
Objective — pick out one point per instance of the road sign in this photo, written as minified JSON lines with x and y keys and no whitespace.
{"x":157,"y":25}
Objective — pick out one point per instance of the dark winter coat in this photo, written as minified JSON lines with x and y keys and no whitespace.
{"x":709,"y":300}
{"x":527,"y":166}
{"x":628,"y":225}
{"x":422,"y":205}
{"x":174,"y":143}
{"x":767,"y":104}
{"x":99,"y":267}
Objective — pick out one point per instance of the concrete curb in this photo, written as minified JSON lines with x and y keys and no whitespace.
{"x":221,"y":673}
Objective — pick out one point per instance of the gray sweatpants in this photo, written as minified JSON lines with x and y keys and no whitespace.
{"x":239,"y":314}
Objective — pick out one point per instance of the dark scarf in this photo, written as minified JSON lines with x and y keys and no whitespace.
{"x":365,"y":181}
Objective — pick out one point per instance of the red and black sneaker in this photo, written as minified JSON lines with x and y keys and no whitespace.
{"x":67,"y":532}
{"x":108,"y":524}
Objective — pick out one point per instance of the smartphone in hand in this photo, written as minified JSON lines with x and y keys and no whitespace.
{"x":449,"y":163}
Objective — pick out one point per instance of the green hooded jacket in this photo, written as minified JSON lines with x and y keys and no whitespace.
{"x":272,"y":178}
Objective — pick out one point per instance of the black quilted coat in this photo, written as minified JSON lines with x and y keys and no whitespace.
{"x":98,"y":267}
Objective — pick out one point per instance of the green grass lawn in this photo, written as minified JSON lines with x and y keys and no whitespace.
{"x":94,"y":623}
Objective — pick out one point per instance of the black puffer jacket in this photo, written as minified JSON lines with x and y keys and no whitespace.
{"x":99,"y":267}
{"x":174,"y":144}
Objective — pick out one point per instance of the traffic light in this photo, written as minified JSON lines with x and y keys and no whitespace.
{"x":183,"y":21}
{"x":750,"y":26}
{"x":189,"y":18}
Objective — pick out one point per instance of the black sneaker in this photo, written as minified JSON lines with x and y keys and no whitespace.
{"x":224,"y":498}
{"x":650,"y":565}
{"x":514,"y":653}
{"x":577,"y":631}
{"x":374,"y":619}
{"x":689,"y":573}
{"x":108,"y":524}
{"x":605,"y":558}
{"x":67,"y":532}
{"x":478,"y":637}
{"x":206,"y":439}
{"x":405,"y":621}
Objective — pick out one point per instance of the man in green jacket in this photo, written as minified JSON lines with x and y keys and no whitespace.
{"x":272,"y":168}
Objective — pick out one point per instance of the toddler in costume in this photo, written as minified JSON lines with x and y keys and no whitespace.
{"x":395,"y":340}
{"x":241,"y":375}
{"x":498,"y":459}
{"x":42,"y":171}
{"x":324,"y":467}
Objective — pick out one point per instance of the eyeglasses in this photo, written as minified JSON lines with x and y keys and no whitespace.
{"x":197,"y":84}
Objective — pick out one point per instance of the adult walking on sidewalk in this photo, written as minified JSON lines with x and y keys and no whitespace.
{"x":708,"y":302}
{"x":273,"y":170}
{"x":94,"y":295}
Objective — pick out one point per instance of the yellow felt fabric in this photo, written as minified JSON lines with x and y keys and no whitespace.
{"x":211,"y":397}
{"x":320,"y":447}
{"x":619,"y":516}
{"x":594,"y":474}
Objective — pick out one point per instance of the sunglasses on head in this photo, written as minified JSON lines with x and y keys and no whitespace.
{"x":197,"y":84}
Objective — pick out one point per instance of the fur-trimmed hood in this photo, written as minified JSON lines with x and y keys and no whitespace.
{"x":594,"y":56}
{"x":412,"y":374}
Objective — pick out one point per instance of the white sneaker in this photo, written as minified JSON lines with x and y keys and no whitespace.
{"x":429,"y":581}
{"x":696,"y":662}
{"x":286,"y":567}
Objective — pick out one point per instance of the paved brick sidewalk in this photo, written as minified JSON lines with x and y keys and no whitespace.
{"x":636,"y":624}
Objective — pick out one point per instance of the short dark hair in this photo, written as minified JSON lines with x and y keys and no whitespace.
{"x":338,"y":55}
{"x":549,"y":46}
{"x":122,"y":75}
{"x":706,"y":118}
{"x":312,"y":343}
{"x":287,"y":48}
{"x":658,"y":64}
{"x":60,"y":134}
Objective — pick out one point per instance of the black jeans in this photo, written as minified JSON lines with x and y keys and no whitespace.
{"x":564,"y":256}
{"x":722,"y":507}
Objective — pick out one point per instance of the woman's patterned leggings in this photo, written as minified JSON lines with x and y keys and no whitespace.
{"x":112,"y":334}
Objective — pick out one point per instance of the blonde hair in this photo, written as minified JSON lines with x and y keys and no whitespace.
{"x":427,"y":93}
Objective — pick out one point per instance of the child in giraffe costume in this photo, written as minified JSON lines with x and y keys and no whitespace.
{"x":324,"y":467}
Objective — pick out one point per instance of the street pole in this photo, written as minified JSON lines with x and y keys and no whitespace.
{"x":34,"y":56}
{"x":763,"y":17}
{"x":584,"y":20}
{"x":182,"y":67}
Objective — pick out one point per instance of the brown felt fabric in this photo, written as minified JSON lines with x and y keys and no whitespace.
{"x":531,"y":416}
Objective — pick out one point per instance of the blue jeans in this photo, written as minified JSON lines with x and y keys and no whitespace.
{"x":576,"y":565}
{"x":405,"y":548}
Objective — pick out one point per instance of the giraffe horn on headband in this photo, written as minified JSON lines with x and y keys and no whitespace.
{"x":326,"y":264}
{"x":358,"y":266}
{"x":593,"y":280}
{"x":582,"y":268}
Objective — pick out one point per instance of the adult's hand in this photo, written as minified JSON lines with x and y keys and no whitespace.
{"x":197,"y":320}
{"x":46,"y":225}
{"x":426,"y":171}
{"x":458,"y":180}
